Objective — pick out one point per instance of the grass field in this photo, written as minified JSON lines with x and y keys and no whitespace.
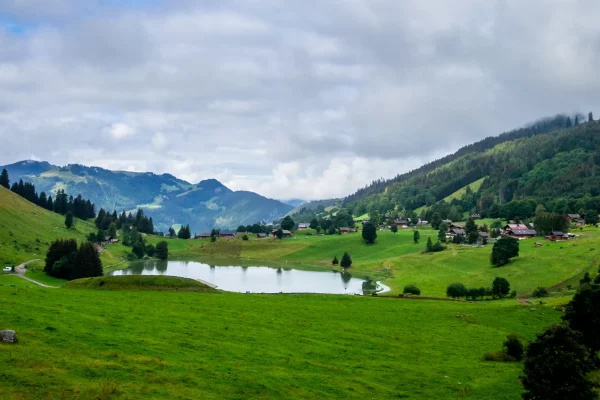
{"x":461,"y":192}
{"x":398,"y":261}
{"x":81,"y":344}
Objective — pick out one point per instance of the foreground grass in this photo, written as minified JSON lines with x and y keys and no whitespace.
{"x":80,"y":344}
{"x":8,"y":280}
{"x":397,"y":261}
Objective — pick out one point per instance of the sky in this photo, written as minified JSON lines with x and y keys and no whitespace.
{"x":304,"y":99}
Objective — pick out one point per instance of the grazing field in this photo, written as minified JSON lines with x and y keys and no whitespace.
{"x":140,"y":282}
{"x":81,"y":344}
{"x":27,"y":230}
{"x":397,"y":261}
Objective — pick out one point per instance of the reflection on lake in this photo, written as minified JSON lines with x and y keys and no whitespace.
{"x":252,"y":279}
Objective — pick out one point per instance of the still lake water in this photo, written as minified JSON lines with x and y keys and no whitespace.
{"x":252,"y":279}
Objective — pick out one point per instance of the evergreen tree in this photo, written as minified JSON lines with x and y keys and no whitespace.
{"x":171,"y":232}
{"x":50,"y":204}
{"x":591,"y":217}
{"x":87,"y":262}
{"x":162,"y":250}
{"x":568,"y":124}
{"x":394,"y":228}
{"x":112,"y":230}
{"x":314,"y":223}
{"x":576,"y":120}
{"x":556,"y":365}
{"x":69,"y":220}
{"x":288,"y":223}
{"x":279,"y":233}
{"x":58,"y":250}
{"x":335,"y":261}
{"x":346,"y":261}
{"x":442,"y":234}
{"x":583,"y":315}
{"x":369,"y":232}
{"x":590,"y":117}
{"x":436,"y":220}
{"x":428,"y":246}
{"x":416,"y":236}
{"x":4,"y":181}
{"x":43,"y":200}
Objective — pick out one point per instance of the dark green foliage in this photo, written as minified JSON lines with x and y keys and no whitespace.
{"x":433,"y":248}
{"x":540,"y":292}
{"x":513,"y":346}
{"x":416,"y":236}
{"x":583,"y":315}
{"x":184,"y":232}
{"x":586,"y":280}
{"x":556,"y":365}
{"x":241,"y":229}
{"x":138,"y":249}
{"x":436,"y":221}
{"x":150,"y":250}
{"x":500,"y":287}
{"x":369,"y":232}
{"x":504,"y":249}
{"x":92,"y":237}
{"x":456,"y":290}
{"x":58,"y":250}
{"x":4,"y":180}
{"x":314,"y":223}
{"x":162,"y":250}
{"x":335,"y":261}
{"x":171,"y":232}
{"x":442,"y":233}
{"x":65,"y":261}
{"x":112,"y":230}
{"x":346,"y":261}
{"x":429,"y":245}
{"x":69,"y":220}
{"x":475,"y":293}
{"x":245,"y":238}
{"x":458,"y":239}
{"x":412,"y":289}
{"x":591,"y":217}
{"x":546,"y":223}
{"x":288,"y":223}
{"x":87,"y":262}
{"x":279,"y":233}
{"x":394,"y":228}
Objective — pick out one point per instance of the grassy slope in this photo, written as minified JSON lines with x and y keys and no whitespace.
{"x":398,"y":261}
{"x":462,"y":191}
{"x":77,"y":344}
{"x":139,"y":282}
{"x":27,"y":230}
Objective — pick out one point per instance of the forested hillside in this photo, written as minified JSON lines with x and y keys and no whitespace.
{"x":550,"y":163}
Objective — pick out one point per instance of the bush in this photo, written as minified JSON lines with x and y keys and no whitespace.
{"x":162,"y":250}
{"x":150,"y":250}
{"x":245,"y":237}
{"x":456,"y":290}
{"x":412,"y":289}
{"x":335,"y":261}
{"x":513,"y":294}
{"x":513,"y":347}
{"x":498,"y":356}
{"x":540,"y":292}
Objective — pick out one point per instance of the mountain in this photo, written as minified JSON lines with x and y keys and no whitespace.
{"x":167,"y":199}
{"x":549,"y":163}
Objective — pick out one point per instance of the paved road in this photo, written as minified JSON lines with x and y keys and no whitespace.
{"x":20,"y":270}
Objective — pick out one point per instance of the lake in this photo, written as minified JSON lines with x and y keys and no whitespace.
{"x":252,"y":279}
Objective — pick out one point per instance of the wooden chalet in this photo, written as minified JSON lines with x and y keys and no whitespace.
{"x":261,"y":235}
{"x":557,"y":236}
{"x":286,"y":233}
{"x":576,"y":219}
{"x":345,"y":229}
{"x":518,"y":231}
{"x":226,"y":234}
{"x":401,"y":223}
{"x":203,"y":235}
{"x":303,"y":226}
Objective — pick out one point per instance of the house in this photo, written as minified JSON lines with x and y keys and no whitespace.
{"x":484,"y":235}
{"x":226,"y":234}
{"x":454,"y":231}
{"x":576,"y":219}
{"x":364,"y":221}
{"x":511,"y":226}
{"x":286,"y":233}
{"x":447,"y":221}
{"x":456,"y":226}
{"x":261,"y":235}
{"x":475,"y":216}
{"x":203,"y":235}
{"x":422,"y":222}
{"x":109,"y":240}
{"x":520,"y":231}
{"x":303,"y":225}
{"x":557,"y":236}
{"x":401,"y":223}
{"x":345,"y":229}
{"x":538,"y":244}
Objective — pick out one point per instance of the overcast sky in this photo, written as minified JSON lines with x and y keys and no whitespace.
{"x":291,"y":99}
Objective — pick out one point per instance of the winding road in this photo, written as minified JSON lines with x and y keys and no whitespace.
{"x":20,"y":271}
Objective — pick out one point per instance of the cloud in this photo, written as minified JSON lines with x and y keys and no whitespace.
{"x":306,"y":100}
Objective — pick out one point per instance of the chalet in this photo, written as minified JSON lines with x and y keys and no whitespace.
{"x":226,"y":234}
{"x":110,"y":240}
{"x":303,"y":225}
{"x":512,"y":226}
{"x":538,"y":244}
{"x":203,"y":235}
{"x":286,"y":233}
{"x":557,"y":236}
{"x":475,"y":216}
{"x":576,"y":219}
{"x":364,"y":221}
{"x":483,"y":236}
{"x":401,"y":223}
{"x":454,"y":231}
{"x":518,"y":231}
{"x":456,"y":226}
{"x":261,"y":235}
{"x":422,"y":222}
{"x":345,"y":229}
{"x":447,"y":221}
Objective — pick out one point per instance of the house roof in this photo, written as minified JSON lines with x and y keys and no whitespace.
{"x":401,"y":221}
{"x":227,"y":233}
{"x":261,"y":234}
{"x":344,"y":228}
{"x":516,"y":226}
{"x":484,"y":234}
{"x":558,"y":233}
{"x":303,"y":225}
{"x":457,"y":231}
{"x":447,"y":221}
{"x":574,"y":216}
{"x":524,"y":232}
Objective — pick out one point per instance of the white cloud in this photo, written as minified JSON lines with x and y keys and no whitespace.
{"x":120,"y":131}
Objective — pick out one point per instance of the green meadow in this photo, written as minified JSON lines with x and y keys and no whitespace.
{"x":129,"y":344}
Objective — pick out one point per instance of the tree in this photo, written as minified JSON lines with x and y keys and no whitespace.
{"x":162,"y":250}
{"x":456,"y":290}
{"x":279,"y":233}
{"x":92,"y":237}
{"x":346,"y":261}
{"x":590,"y":117}
{"x":112,"y":230}
{"x":87,"y":262}
{"x":583,"y":314}
{"x":171,"y":232}
{"x":568,"y":123}
{"x":245,"y":238}
{"x":59,"y":250}
{"x":591,"y":217}
{"x":369,"y":232}
{"x":429,"y":245}
{"x":411,"y":289}
{"x":504,"y":249}
{"x":335,"y":261}
{"x":69,"y":220}
{"x":241,"y":229}
{"x":556,"y":365}
{"x":4,"y":181}
{"x":500,"y":287}
{"x":288,"y":223}
{"x":150,"y":250}
{"x":416,"y":236}
{"x":138,"y":249}
{"x":394,"y":228}
{"x":314,"y":223}
{"x":513,"y":346}
{"x":576,"y":120}
{"x":436,"y":220}
{"x":442,"y":233}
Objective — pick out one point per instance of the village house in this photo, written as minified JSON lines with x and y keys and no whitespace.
{"x":226,"y":234}
{"x":261,"y":235}
{"x":455,"y":230}
{"x":576,"y":219}
{"x":303,"y":225}
{"x":483,"y":236}
{"x":422,"y":222}
{"x":518,"y":231}
{"x":286,"y":233}
{"x":203,"y":235}
{"x":110,"y":240}
{"x":345,"y":229}
{"x":401,"y":223}
{"x":557,"y":236}
{"x":475,"y":216}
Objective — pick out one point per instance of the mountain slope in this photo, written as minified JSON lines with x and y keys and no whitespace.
{"x":558,"y":169}
{"x":167,"y":199}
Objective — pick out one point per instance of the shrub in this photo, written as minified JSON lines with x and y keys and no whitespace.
{"x":498,"y":356}
{"x":150,"y":250}
{"x":513,"y":347}
{"x":162,"y":250}
{"x":335,"y":261}
{"x":540,"y":292}
{"x":245,"y":237}
{"x":456,"y":290}
{"x":513,"y":294}
{"x":346,"y":260}
{"x":411,"y":289}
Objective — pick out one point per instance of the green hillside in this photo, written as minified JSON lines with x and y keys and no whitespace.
{"x":508,"y":177}
{"x":166,"y":199}
{"x":99,"y":344}
{"x":27,"y":230}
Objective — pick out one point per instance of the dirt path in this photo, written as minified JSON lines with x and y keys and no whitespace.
{"x":20,"y":270}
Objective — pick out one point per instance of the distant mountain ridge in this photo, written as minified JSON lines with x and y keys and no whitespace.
{"x":167,"y":199}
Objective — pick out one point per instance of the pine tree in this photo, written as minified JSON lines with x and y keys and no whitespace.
{"x":335,"y":261}
{"x":162,"y":250}
{"x":4,"y":181}
{"x":69,"y":220}
{"x":590,"y":117}
{"x":87,"y":262}
{"x":416,"y":236}
{"x":429,"y":245}
{"x":576,"y":120}
{"x":346,"y":261}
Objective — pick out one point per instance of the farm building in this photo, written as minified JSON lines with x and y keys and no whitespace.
{"x":226,"y":233}
{"x":261,"y":235}
{"x":576,"y":219}
{"x":203,"y":235}
{"x":401,"y":223}
{"x":518,"y":231}
{"x":557,"y":236}
{"x":303,"y":225}
{"x":286,"y":233}
{"x":345,"y":229}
